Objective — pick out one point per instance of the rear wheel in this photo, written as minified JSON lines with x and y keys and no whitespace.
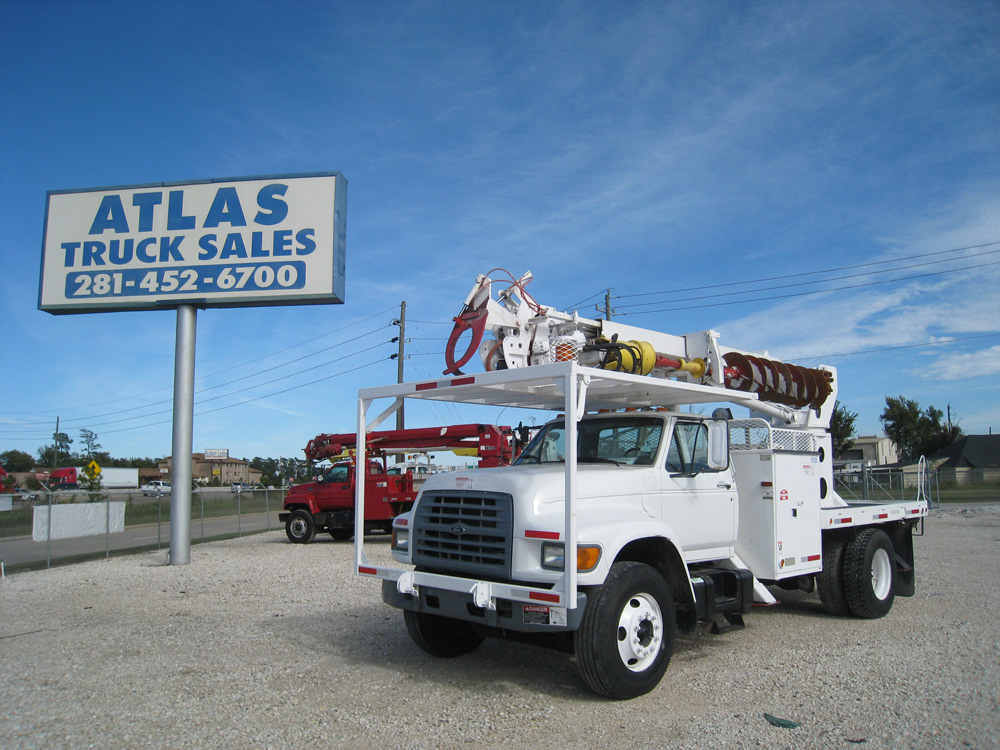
{"x":342,"y":535}
{"x":830,"y":581}
{"x":300,"y":527}
{"x":870,"y":574}
{"x":626,"y":639}
{"x":441,"y":636}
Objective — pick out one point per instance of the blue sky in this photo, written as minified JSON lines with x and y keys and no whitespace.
{"x":647,"y":147}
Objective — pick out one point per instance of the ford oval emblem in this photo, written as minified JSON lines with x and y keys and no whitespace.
{"x":457,"y":529}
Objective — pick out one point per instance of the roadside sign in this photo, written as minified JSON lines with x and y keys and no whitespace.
{"x":92,"y":469}
{"x":218,"y":243}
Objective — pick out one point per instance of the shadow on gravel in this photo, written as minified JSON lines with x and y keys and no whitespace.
{"x":375,"y":636}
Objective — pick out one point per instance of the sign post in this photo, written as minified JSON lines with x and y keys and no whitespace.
{"x":241,"y":242}
{"x":183,"y":436}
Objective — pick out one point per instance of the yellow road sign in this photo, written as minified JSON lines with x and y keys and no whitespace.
{"x":93,"y":469}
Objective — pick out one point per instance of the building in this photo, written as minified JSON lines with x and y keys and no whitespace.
{"x":216,"y":470}
{"x":974,"y":458}
{"x":869,"y":450}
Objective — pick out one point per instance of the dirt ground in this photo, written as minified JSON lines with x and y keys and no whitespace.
{"x":261,"y":643}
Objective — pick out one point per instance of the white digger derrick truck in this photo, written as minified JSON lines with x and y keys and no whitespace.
{"x":668,"y":518}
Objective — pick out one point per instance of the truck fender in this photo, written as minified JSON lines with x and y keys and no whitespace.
{"x":651,"y":543}
{"x":306,"y":502}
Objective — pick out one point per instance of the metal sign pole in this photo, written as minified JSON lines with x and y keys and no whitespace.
{"x":180,"y":488}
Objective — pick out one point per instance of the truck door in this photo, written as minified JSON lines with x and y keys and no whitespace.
{"x":697,"y":501}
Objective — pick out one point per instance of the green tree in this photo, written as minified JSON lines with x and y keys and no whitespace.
{"x":270,"y":471}
{"x":915,"y":431}
{"x":90,"y":443}
{"x":57,"y":453}
{"x":15,"y":460}
{"x":842,"y":428}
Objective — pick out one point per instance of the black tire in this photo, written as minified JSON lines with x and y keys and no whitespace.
{"x":342,"y":535}
{"x":441,"y":636}
{"x":830,"y":581}
{"x":626,"y":638}
{"x":870,"y":574}
{"x":300,"y":527}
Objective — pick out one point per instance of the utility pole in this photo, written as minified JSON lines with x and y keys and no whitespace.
{"x":55,"y":447}
{"x":399,"y":362}
{"x":608,"y":312}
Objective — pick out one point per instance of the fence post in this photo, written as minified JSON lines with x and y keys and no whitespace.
{"x":107,"y":526}
{"x":48,"y":534}
{"x":239,"y":513}
{"x":267,"y":509}
{"x":201,"y":494}
{"x":159,"y":518}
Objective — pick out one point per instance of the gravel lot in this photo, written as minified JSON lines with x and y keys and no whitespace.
{"x":261,"y":643}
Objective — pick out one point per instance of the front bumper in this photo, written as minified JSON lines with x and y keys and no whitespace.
{"x":518,"y":616}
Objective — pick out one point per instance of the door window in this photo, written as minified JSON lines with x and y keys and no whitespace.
{"x":688,"y":453}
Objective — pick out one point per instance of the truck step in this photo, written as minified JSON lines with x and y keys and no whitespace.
{"x":722,"y":591}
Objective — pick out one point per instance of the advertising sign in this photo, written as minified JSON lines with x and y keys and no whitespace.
{"x":218,"y":243}
{"x":216,"y":453}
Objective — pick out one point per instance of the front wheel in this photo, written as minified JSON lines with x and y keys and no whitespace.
{"x":441,"y":636}
{"x":626,"y":639}
{"x":300,"y":527}
{"x":870,"y":574}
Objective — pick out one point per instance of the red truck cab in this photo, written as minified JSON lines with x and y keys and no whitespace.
{"x":328,"y":503}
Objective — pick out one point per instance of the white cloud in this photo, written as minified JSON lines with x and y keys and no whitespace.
{"x":966,"y":366}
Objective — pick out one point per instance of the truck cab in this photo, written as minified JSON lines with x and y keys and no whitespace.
{"x":327,"y":504}
{"x":644,"y":478}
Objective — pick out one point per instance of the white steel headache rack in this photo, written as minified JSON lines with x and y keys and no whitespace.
{"x":561,"y":387}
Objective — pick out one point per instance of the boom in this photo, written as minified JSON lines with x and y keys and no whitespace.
{"x":526,"y":333}
{"x":493,"y":445}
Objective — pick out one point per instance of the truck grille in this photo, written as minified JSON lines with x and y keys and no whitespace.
{"x":464,"y":531}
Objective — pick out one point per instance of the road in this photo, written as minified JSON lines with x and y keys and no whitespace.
{"x":24,"y":550}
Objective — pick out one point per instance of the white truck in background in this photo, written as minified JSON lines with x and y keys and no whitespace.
{"x":670,"y":518}
{"x":111,"y":478}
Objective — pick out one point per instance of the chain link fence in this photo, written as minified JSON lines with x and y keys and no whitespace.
{"x":877,"y":485}
{"x":39,"y":529}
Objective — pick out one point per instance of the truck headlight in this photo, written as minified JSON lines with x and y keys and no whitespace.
{"x":400,"y":539}
{"x":554,"y":556}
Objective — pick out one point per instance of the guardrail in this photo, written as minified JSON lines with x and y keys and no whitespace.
{"x":44,"y":528}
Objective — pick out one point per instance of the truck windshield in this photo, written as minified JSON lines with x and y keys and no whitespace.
{"x":337,"y":473}
{"x":626,"y":440}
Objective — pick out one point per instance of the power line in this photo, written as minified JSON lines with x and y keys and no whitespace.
{"x":949,"y":340}
{"x":213,"y":398}
{"x":312,"y":340}
{"x":815,"y":291}
{"x":256,"y":398}
{"x":592,"y":296}
{"x":814,"y":273}
{"x":804,"y":283}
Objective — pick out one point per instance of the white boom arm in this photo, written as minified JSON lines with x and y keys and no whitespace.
{"x":526,"y":333}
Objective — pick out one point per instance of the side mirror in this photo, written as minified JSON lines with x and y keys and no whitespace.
{"x":718,"y":444}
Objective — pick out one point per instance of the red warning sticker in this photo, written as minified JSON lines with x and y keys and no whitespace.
{"x":536,"y":614}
